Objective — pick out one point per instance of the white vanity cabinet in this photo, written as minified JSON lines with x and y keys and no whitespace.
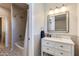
{"x":57,"y":46}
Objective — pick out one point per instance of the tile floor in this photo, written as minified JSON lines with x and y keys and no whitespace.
{"x":10,"y":52}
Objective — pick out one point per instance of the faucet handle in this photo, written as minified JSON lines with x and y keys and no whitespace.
{"x":48,"y":35}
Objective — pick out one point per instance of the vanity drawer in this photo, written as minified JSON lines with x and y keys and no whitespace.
{"x":62,"y":53}
{"x":63,"y":46}
{"x":48,"y":43}
{"x":48,"y":50}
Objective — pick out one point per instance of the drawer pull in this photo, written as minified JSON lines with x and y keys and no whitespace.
{"x":47,"y":43}
{"x":61,"y":53}
{"x":47,"y":48}
{"x":61,"y":46}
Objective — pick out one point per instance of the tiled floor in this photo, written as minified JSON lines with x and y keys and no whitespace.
{"x":9,"y":52}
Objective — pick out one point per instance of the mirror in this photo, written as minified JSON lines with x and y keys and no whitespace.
{"x":58,"y":22}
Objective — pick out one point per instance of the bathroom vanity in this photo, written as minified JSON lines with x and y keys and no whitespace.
{"x":53,"y":46}
{"x":57,"y":23}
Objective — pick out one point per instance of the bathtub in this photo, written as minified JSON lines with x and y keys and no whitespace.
{"x":19,"y":47}
{"x":20,"y":44}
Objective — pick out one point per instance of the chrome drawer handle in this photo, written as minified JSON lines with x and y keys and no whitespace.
{"x":47,"y":43}
{"x":47,"y":48}
{"x":61,"y":46}
{"x":61,"y":53}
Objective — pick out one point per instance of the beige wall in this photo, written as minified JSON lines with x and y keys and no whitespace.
{"x":37,"y":24}
{"x":77,"y":41}
{"x":78,"y":19}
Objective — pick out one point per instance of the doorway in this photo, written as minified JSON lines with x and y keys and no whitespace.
{"x":4,"y":37}
{"x":2,"y":32}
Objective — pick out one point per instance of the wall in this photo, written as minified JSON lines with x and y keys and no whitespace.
{"x":77,"y":41}
{"x":18,"y":23}
{"x":78,"y":19}
{"x":37,"y":23}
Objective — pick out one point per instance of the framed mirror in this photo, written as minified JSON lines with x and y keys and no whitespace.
{"x":58,"y":22}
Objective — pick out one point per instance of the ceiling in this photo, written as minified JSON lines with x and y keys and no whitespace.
{"x":21,"y":5}
{"x":5,"y":5}
{"x":8,"y":5}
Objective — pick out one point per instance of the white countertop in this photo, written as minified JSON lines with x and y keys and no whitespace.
{"x":62,"y":40}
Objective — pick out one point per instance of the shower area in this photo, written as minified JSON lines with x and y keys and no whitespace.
{"x":19,"y":21}
{"x":13,"y":29}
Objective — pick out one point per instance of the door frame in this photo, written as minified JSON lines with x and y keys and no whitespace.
{"x":5,"y":28}
{"x":29,"y":36}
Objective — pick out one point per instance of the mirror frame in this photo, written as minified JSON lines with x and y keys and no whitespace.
{"x":67,"y":22}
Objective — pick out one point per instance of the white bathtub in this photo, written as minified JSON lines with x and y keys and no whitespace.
{"x":19,"y":46}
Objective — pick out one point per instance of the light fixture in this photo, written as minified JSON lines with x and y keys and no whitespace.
{"x":63,"y":8}
{"x":56,"y":10}
{"x":51,"y":11}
